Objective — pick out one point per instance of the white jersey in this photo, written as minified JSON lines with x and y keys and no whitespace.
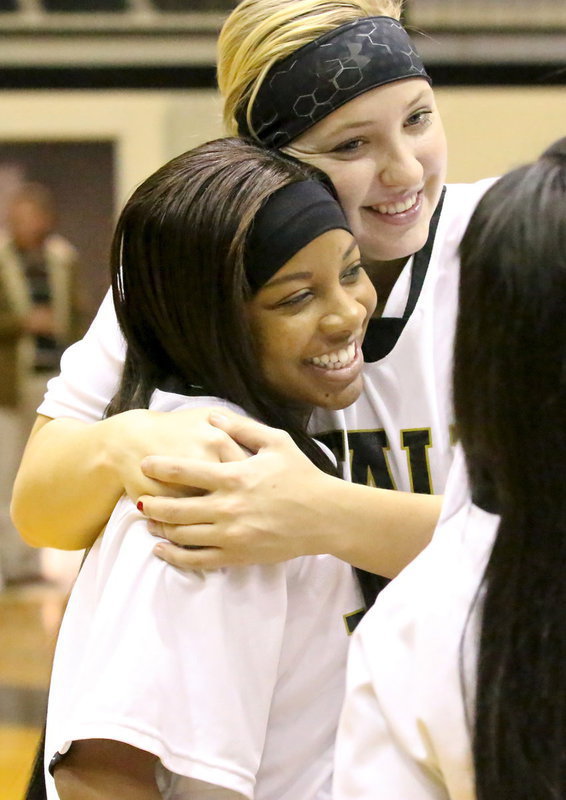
{"x":403,"y":733}
{"x":234,"y":678}
{"x":400,"y":431}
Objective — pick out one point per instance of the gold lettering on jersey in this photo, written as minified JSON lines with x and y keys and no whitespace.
{"x":336,"y":441}
{"x":352,"y":620}
{"x":369,"y":464}
{"x":416,"y":443}
{"x":368,"y":454}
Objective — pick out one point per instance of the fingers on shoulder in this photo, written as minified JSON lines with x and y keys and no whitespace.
{"x":250,"y":433}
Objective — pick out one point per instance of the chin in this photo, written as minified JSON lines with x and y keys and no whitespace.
{"x":405,"y":247}
{"x":337,"y":403}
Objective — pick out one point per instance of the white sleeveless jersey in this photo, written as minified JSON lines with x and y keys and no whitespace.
{"x":399,"y":434}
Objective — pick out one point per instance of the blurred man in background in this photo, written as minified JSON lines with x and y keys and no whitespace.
{"x":39,"y":316}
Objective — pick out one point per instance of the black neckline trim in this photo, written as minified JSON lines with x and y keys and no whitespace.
{"x":383,"y":333}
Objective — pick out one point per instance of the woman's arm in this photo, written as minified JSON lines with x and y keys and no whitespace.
{"x":277,"y":505}
{"x":73,"y":472}
{"x":102,"y":769}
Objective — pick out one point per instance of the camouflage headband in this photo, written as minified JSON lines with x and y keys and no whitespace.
{"x":323,"y":75}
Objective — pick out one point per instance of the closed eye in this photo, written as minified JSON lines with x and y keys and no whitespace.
{"x":295,"y":300}
{"x":352,"y":273}
{"x":348,"y":147}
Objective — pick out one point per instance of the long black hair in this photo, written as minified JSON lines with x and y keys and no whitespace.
{"x":510,"y":404}
{"x":179,"y":283}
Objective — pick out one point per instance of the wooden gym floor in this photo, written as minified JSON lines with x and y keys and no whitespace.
{"x":29,"y":620}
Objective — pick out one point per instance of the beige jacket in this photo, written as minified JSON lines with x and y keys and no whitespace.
{"x":62,"y":266}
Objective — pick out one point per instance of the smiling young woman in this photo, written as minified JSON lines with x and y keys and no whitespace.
{"x":388,"y":167}
{"x":227,"y":704}
{"x":310,"y":320}
{"x":357,"y":103}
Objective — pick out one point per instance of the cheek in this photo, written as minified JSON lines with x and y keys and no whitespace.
{"x":351,"y":180}
{"x":436,"y":154}
{"x":276,"y":346}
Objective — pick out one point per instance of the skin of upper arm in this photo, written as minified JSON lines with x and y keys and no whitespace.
{"x":102,"y":769}
{"x":62,"y":465}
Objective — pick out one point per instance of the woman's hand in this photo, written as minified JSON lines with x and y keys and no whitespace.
{"x":253,"y":511}
{"x":72,"y":473}
{"x":172,"y":435}
{"x":277,"y":505}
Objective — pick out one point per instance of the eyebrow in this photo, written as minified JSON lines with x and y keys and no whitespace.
{"x":303,"y":276}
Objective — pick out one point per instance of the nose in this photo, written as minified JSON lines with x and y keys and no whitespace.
{"x":344,"y":316}
{"x":399,"y":167}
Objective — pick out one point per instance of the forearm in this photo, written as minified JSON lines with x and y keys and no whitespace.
{"x":379,"y":530}
{"x":73,"y":472}
{"x":66,"y":486}
{"x":71,"y":786}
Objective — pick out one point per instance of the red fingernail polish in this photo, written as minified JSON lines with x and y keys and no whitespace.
{"x":139,"y":506}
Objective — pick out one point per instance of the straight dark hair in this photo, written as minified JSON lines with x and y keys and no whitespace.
{"x":510,"y":404}
{"x":179,"y":283}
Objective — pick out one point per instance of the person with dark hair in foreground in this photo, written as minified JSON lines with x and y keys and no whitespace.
{"x":456,"y":680}
{"x":235,"y":279}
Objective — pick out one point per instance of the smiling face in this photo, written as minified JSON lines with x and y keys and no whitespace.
{"x":309,"y":320}
{"x":385,"y":152}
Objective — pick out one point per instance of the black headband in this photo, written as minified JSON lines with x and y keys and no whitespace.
{"x":291,"y":218}
{"x":321,"y":76}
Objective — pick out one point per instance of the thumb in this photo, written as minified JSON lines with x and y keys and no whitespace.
{"x":247,"y":432}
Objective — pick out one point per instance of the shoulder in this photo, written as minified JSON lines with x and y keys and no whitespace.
{"x":408,"y":652}
{"x":461,"y":199}
{"x":172,"y":401}
{"x":412,"y":637}
{"x":429,"y":601}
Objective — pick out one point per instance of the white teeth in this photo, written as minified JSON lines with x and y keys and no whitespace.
{"x":337,"y":360}
{"x":396,"y":208}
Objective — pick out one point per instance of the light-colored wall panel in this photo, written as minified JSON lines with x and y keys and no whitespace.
{"x":148,"y":128}
{"x":491,"y":130}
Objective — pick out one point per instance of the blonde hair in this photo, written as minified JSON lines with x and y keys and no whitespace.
{"x":258,"y":33}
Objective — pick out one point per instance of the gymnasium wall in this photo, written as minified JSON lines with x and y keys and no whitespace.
{"x":489,"y":131}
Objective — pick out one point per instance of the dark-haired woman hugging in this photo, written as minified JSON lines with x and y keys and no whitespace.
{"x":237,"y":283}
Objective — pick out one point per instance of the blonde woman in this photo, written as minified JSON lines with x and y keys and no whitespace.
{"x":338,"y":85}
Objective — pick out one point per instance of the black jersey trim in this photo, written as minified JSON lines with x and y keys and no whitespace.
{"x":175,"y":385}
{"x":485,"y":497}
{"x":383,"y":333}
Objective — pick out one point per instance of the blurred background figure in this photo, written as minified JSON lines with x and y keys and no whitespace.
{"x":39,"y":316}
{"x":38,"y":268}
